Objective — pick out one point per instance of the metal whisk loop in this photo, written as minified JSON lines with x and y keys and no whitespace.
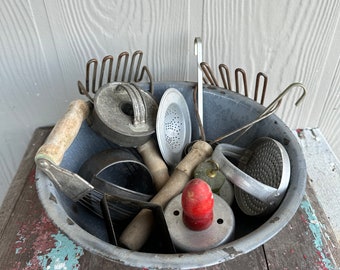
{"x":125,"y":56}
{"x":225,"y":75}
{"x":106,"y":69}
{"x":109,"y":70}
{"x":209,"y":75}
{"x":83,"y":91}
{"x":93,"y":62}
{"x":140,"y":57}
{"x":244,"y":78}
{"x":264,"y":88}
{"x":148,"y":73}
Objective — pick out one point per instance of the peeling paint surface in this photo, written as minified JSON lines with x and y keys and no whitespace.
{"x":39,"y":244}
{"x":316,"y":228}
{"x":64,"y":255}
{"x":46,"y":246}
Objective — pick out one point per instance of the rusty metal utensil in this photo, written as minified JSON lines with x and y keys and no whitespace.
{"x":210,"y":78}
{"x":225,"y":76}
{"x":271,"y":108}
{"x":244,"y":78}
{"x":148,"y":150}
{"x":264,"y":86}
{"x":126,"y":115}
{"x":135,"y":73}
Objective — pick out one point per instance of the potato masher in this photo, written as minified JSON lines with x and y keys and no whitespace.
{"x":262,"y":176}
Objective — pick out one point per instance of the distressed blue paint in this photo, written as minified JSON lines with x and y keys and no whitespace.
{"x":64,"y":255}
{"x":315,"y":227}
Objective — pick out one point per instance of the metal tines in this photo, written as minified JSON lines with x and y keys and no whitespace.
{"x":122,"y":73}
{"x":210,"y":78}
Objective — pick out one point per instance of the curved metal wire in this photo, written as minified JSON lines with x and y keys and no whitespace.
{"x":209,"y":75}
{"x":225,"y":76}
{"x":271,"y":108}
{"x":244,"y":78}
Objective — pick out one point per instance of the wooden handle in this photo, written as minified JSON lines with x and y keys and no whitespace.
{"x":155,"y":163}
{"x":64,"y":132}
{"x":137,"y":232}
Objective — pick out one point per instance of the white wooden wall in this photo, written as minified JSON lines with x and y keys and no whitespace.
{"x":45,"y":44}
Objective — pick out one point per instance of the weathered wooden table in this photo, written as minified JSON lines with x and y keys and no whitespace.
{"x":29,"y":239}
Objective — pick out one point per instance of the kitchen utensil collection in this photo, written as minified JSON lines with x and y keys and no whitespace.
{"x":118,"y":172}
{"x":129,"y":102}
{"x":141,"y":171}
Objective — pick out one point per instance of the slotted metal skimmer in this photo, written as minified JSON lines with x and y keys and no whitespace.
{"x":173,"y":126}
{"x":262,"y":177}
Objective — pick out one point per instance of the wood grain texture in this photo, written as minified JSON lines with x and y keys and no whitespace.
{"x":310,"y":228}
{"x":19,"y":180}
{"x":288,"y":46}
{"x":44,"y":46}
{"x":25,"y":86}
{"x":295,"y":44}
{"x":329,"y":121}
{"x":83,"y":30}
{"x":324,"y":172}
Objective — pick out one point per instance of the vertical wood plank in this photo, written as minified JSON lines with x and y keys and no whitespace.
{"x":329,"y":121}
{"x":26,"y":85}
{"x":83,"y":30}
{"x":324,"y":171}
{"x":291,"y":45}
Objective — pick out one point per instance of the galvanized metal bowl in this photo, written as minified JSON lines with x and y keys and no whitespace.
{"x":224,"y":111}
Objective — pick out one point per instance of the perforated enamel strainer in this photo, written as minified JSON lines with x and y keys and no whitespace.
{"x":262,"y":177}
{"x":173,"y":126}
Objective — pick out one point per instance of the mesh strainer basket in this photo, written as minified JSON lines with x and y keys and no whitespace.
{"x":173,"y":126}
{"x":262,"y":177}
{"x":268,"y":162}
